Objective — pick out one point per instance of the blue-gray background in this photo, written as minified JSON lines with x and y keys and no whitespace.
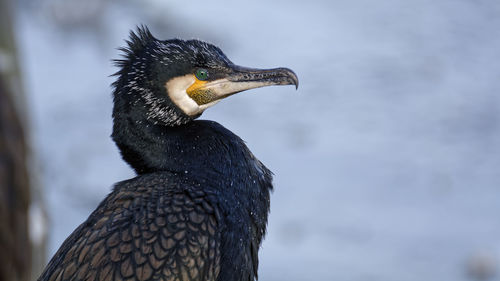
{"x":386,"y":160}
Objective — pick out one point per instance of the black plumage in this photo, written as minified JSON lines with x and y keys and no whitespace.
{"x":198,"y":208}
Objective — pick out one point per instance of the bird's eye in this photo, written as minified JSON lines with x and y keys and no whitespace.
{"x":202,"y":74}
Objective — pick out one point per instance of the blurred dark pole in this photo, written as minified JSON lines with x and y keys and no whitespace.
{"x":16,"y":250}
{"x":15,"y":246}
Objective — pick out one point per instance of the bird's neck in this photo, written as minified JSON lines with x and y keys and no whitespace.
{"x":200,"y":148}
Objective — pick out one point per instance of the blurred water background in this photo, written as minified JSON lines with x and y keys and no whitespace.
{"x":386,"y":159}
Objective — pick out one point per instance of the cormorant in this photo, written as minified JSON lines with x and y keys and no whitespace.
{"x":198,"y":207}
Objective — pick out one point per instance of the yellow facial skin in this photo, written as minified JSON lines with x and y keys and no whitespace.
{"x":199,"y":93}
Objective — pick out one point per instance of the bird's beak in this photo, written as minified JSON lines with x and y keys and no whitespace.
{"x":240,"y":79}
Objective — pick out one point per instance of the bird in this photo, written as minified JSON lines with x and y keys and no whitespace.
{"x":198,"y":206}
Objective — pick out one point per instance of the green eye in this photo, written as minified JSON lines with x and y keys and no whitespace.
{"x":202,"y":74}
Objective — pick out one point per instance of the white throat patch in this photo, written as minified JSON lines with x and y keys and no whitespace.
{"x":176,"y":89}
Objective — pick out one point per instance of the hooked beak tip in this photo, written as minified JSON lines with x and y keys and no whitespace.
{"x":293,"y":79}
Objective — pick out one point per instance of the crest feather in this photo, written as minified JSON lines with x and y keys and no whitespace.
{"x":138,"y":40}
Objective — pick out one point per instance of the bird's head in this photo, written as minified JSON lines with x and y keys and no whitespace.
{"x":172,"y":82}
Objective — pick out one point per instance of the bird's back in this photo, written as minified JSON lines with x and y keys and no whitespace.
{"x":159,"y":226}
